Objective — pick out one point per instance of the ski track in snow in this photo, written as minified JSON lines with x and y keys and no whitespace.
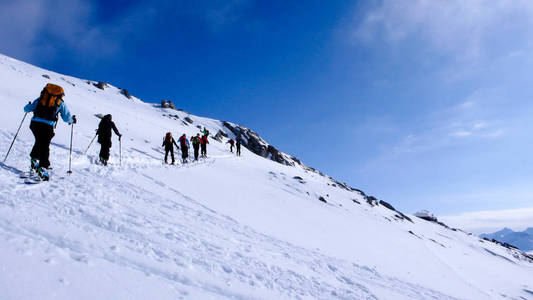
{"x":182,"y":238}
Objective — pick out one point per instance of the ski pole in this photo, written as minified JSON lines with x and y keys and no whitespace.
{"x":15,"y":137}
{"x":90,"y":144}
{"x":120,"y":149}
{"x":70,"y":154}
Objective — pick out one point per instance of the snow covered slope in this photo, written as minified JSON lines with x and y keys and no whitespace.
{"x":224,"y":227}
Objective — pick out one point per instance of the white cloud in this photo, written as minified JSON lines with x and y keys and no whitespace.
{"x":461,"y":133}
{"x":19,"y":25}
{"x":480,"y":125}
{"x":491,"y":220}
{"x":457,"y":27}
{"x":33,"y":30}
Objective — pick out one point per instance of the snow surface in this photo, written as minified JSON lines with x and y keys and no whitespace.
{"x":223,"y":227}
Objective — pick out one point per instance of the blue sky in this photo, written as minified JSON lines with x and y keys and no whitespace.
{"x":425,"y":104}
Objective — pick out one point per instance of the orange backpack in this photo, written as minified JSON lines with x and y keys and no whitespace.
{"x":49,"y":102}
{"x":51,"y":95}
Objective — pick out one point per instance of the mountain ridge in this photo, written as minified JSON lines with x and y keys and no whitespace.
{"x":520,"y":239}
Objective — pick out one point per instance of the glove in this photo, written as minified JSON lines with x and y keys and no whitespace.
{"x":120,"y":137}
{"x":74,"y":119}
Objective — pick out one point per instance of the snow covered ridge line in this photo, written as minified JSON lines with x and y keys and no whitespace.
{"x":222,"y":131}
{"x":98,"y":84}
{"x":225,"y":130}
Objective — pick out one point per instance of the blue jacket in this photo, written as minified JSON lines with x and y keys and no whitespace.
{"x":63,"y":110}
{"x":184,"y":142}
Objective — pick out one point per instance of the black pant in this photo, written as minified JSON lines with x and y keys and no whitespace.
{"x":196,"y":148}
{"x":43,"y":134}
{"x":204,"y":149}
{"x":104,"y":150}
{"x":171,"y":150}
{"x":239,"y":150}
{"x":231,"y":147}
{"x":184,"y":152}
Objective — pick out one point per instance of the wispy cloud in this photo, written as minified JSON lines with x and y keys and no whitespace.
{"x":472,"y":118}
{"x":31,"y":30}
{"x":492,"y":220}
{"x":481,"y":44}
{"x":454,"y":27}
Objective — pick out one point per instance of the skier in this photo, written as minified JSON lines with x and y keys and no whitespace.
{"x":196,"y":145}
{"x":168,"y":143}
{"x":203,"y":145}
{"x":238,"y":147}
{"x":184,"y":143}
{"x":45,"y":110}
{"x":205,"y":132}
{"x":104,"y":137}
{"x":231,"y":142}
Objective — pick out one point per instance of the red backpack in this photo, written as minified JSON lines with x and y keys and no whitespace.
{"x":168,"y":138}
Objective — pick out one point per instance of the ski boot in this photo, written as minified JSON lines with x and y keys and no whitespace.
{"x":43,"y":173}
{"x":34,"y":164}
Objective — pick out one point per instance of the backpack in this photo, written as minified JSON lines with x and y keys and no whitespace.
{"x":183,"y":142}
{"x":168,"y":138}
{"x":49,"y":102}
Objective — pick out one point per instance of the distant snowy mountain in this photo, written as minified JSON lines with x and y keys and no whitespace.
{"x":522,"y":239}
{"x":259,"y":226}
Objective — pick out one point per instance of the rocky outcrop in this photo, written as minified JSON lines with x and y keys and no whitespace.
{"x":126,"y":93}
{"x":253,"y":142}
{"x":426,"y":215}
{"x":515,"y":251}
{"x":371,"y":200}
{"x":101,"y":85}
{"x":167,"y":104}
{"x":398,"y":214}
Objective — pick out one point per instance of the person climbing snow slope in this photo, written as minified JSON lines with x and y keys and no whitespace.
{"x":238,"y":147}
{"x":104,"y":137}
{"x":196,"y":145}
{"x":168,"y":143}
{"x":203,"y":145}
{"x":205,"y":132}
{"x":184,"y":144}
{"x":45,"y":110}
{"x":231,"y":142}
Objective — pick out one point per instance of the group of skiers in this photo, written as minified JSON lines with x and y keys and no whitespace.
{"x":197,"y":143}
{"x":45,"y":110}
{"x":50,"y":104}
{"x":231,"y":143}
